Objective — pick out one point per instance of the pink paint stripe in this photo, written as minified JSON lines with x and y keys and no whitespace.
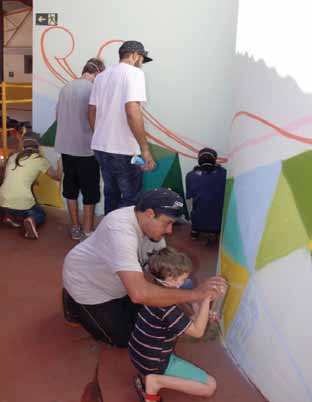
{"x":42,"y":79}
{"x":304,"y":121}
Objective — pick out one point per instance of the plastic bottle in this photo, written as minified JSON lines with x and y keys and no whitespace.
{"x":137,"y":160}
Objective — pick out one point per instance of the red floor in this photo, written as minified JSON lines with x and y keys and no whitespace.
{"x":44,"y":360}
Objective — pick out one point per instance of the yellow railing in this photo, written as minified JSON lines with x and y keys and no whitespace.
{"x":6,"y":99}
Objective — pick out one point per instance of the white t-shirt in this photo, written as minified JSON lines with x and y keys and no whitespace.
{"x":111,"y":90}
{"x":90,"y":272}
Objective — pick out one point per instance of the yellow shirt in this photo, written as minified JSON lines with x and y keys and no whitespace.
{"x":15,"y":192}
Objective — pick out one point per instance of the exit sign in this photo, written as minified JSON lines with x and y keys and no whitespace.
{"x":46,"y":19}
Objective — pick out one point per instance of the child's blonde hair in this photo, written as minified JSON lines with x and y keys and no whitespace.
{"x":169,"y":262}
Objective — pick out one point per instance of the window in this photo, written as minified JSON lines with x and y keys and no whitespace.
{"x":28,"y":64}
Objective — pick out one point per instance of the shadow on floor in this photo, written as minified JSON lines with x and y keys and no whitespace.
{"x":44,"y":360}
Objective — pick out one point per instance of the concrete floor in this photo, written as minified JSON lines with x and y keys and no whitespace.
{"x":44,"y":360}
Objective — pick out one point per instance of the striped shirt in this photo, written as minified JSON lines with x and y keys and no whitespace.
{"x":154,"y":336}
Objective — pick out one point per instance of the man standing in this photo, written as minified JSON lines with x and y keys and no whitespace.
{"x":103,"y":276}
{"x":116,"y":116}
{"x":73,"y":142}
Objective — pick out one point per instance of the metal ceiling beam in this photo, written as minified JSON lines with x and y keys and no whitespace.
{"x":28,"y":3}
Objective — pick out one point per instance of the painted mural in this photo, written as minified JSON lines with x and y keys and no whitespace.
{"x":180,"y":116}
{"x":266,"y":240}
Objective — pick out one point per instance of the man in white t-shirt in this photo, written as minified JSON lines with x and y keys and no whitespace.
{"x":116,"y":117}
{"x":103,"y":278}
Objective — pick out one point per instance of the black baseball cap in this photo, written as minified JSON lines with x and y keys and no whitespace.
{"x":163,"y":201}
{"x":207,"y":155}
{"x":132,"y":46}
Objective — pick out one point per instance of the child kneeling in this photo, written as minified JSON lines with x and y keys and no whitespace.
{"x":17,"y":203}
{"x":151,"y":345}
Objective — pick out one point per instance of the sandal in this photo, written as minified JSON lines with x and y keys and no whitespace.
{"x":140,"y":389}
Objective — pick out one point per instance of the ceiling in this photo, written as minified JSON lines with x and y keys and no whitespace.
{"x":13,"y":5}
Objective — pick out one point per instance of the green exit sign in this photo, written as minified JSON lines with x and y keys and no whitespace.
{"x":46,"y":19}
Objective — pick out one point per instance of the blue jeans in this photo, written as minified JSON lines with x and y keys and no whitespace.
{"x":35,"y":212}
{"x":122,"y":181}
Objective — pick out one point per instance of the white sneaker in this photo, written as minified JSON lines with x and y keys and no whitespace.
{"x":84,"y":235}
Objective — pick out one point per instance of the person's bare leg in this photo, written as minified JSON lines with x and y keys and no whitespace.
{"x":73,"y":212}
{"x":88,"y":218}
{"x":154,"y":382}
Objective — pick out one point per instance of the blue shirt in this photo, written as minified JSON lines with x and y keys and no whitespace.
{"x":206,"y":188}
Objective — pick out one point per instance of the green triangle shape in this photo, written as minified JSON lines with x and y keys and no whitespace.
{"x":156,"y":177}
{"x":159,"y":152}
{"x":298,"y":173}
{"x":174,"y":181}
{"x":284,"y":231}
{"x":48,"y":138}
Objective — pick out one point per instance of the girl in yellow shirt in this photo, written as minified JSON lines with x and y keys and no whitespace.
{"x":17,"y":202}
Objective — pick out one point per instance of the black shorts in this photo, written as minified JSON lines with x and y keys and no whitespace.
{"x":81,"y":173}
{"x":111,"y":322}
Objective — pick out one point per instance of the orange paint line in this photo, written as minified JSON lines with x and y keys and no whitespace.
{"x":69,"y":68}
{"x":44,"y":55}
{"x":280,"y":130}
{"x":169,"y":133}
{"x":166,"y":133}
{"x":64,"y":67}
{"x":109,"y":42}
{"x":168,"y":147}
{"x":62,"y":62}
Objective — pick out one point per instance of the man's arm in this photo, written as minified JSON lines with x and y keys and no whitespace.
{"x":92,"y":115}
{"x":136,"y":124}
{"x":143,"y":292}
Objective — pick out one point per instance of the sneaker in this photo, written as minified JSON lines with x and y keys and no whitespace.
{"x":9,"y":220}
{"x":85,"y":235}
{"x":75,"y":233}
{"x":30,"y":228}
{"x":194,"y":234}
{"x":212,"y":239}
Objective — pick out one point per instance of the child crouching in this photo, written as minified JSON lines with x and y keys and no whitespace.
{"x":151,"y":345}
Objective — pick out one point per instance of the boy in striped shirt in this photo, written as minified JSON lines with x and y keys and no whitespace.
{"x":151,"y":345}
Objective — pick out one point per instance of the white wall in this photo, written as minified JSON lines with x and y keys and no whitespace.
{"x":190,"y":81}
{"x":15,"y":63}
{"x":268,"y":310}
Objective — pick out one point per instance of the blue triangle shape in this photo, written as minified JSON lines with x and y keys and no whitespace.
{"x":254,"y":192}
{"x":232,"y":240}
{"x":157,"y":177}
